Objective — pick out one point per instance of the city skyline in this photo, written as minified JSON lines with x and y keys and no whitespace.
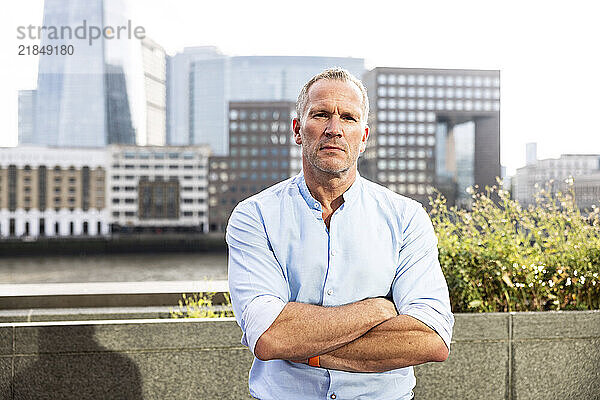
{"x":548,"y":74}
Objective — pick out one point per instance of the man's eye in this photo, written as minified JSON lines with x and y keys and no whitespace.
{"x":321,"y":114}
{"x":349,"y":118}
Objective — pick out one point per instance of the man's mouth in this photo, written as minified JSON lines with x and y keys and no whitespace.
{"x":332,"y":148}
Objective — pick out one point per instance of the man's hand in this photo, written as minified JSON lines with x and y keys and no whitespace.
{"x":303,"y":330}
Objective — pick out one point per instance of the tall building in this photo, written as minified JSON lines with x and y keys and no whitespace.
{"x":554,"y":174}
{"x":26,"y":115}
{"x":178,"y":91}
{"x":216,"y":81}
{"x":93,"y":96}
{"x":530,"y":153}
{"x":155,"y":90}
{"x":48,"y":191}
{"x":433,"y":128}
{"x":261,"y":153}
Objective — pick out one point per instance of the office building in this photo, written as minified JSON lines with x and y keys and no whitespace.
{"x":433,"y":129}
{"x":155,"y":90}
{"x":261,"y":153}
{"x":555,"y":174}
{"x":216,"y":81}
{"x":26,"y":115}
{"x":530,"y":153}
{"x":178,"y":91}
{"x":158,"y":188}
{"x":48,"y":191}
{"x":587,"y":190}
{"x":94,"y":96}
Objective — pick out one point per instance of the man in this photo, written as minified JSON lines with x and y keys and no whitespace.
{"x":315,"y":260}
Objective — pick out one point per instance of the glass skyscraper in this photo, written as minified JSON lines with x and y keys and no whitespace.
{"x":93,"y":97}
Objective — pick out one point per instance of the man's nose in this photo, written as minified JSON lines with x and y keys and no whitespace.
{"x":334,"y":126}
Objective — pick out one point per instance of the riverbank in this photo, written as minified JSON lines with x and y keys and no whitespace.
{"x":115,"y":244}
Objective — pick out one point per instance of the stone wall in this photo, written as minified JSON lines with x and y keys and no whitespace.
{"x":553,"y":355}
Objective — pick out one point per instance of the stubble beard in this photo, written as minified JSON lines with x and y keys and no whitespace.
{"x":330,"y":168}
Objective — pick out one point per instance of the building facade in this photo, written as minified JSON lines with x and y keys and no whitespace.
{"x":587,"y":190}
{"x":433,"y":129}
{"x":178,"y":91}
{"x":261,"y":153}
{"x":26,"y":115}
{"x":52,"y":192}
{"x":555,"y":175}
{"x":155,"y":89}
{"x":217,"y":81}
{"x":158,"y":188}
{"x":94,"y":95}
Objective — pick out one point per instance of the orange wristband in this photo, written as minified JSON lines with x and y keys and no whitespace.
{"x":314,"y":361}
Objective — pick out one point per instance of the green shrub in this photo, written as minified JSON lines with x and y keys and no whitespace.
{"x":502,"y":257}
{"x":200,"y":305}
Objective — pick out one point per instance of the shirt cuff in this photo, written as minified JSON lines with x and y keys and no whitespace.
{"x":440,"y":323}
{"x":258,"y":317}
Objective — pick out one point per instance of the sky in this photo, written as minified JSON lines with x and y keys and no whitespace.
{"x":546,"y":51}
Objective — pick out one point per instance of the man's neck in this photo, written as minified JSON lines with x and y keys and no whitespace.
{"x":328,"y":188}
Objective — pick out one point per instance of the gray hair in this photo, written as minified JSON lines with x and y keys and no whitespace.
{"x":337,"y":74}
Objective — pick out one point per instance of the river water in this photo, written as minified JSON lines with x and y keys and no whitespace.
{"x":114,"y":268}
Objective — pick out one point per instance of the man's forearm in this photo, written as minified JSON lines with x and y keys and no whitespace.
{"x":396,"y":343}
{"x":304,"y":330}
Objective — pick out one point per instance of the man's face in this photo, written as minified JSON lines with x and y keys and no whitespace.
{"x":332,"y":131}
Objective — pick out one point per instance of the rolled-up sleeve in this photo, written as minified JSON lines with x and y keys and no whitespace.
{"x":257,"y":283}
{"x":419,"y":287}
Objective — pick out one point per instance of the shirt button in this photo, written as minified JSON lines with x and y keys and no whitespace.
{"x":332,"y":253}
{"x":329,"y":293}
{"x":317,"y":206}
{"x":333,"y":396}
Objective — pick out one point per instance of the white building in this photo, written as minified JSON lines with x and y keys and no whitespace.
{"x":158,"y":188}
{"x":155,"y":76}
{"x":47,"y":191}
{"x":584,"y":168}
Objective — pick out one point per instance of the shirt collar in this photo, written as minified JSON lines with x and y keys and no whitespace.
{"x":349,"y":195}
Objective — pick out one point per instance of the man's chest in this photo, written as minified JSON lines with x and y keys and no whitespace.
{"x":354,"y":259}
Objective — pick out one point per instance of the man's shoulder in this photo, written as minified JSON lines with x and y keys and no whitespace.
{"x":385,"y":196}
{"x":271,"y":195}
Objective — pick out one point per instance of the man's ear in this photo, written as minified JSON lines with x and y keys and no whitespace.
{"x":296,"y":129}
{"x":363,"y":143}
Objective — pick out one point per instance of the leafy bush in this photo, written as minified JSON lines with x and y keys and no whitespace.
{"x":200,"y":305}
{"x":502,"y":257}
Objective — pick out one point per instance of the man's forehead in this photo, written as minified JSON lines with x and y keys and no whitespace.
{"x":326,"y":91}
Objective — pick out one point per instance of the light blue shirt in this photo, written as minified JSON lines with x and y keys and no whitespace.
{"x":379,"y":244}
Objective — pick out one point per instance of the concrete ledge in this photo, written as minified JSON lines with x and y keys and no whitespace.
{"x":104,"y":294}
{"x":493,"y":356}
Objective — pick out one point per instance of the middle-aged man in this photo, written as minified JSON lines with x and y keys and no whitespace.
{"x":335,"y":281}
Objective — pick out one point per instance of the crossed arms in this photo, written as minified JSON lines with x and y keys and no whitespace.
{"x":370,"y":335}
{"x":366,"y":336}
